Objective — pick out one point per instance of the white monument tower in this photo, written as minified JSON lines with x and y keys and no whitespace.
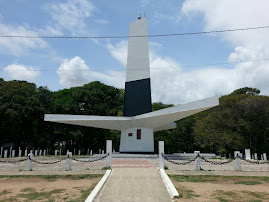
{"x":138,"y":123}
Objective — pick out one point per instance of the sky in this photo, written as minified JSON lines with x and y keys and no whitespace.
{"x":183,"y":68}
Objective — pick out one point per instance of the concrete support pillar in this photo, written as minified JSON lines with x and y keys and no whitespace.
{"x":79,"y":152}
{"x":238,"y":163}
{"x":109,"y":151}
{"x":40,"y":152}
{"x":264,"y":157}
{"x":29,"y":162}
{"x":44,"y":152}
{"x":5,"y":153}
{"x":197,"y":162}
{"x":55,"y":152}
{"x":103,"y":152}
{"x":69,"y":161}
{"x":36,"y":151}
{"x":161,"y":152}
{"x":91,"y":152}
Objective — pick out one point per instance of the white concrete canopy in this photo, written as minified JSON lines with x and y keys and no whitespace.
{"x":157,"y":120}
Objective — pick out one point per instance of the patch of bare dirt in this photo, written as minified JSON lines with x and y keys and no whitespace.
{"x":221,"y":191}
{"x":68,"y":189}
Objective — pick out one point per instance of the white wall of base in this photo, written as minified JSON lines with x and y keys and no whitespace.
{"x":132,"y":144}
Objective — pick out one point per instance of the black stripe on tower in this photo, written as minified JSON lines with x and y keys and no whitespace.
{"x":137,"y":97}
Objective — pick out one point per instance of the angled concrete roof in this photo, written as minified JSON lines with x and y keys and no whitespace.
{"x":157,"y":120}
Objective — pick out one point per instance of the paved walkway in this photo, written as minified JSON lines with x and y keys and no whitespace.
{"x":134,"y":184}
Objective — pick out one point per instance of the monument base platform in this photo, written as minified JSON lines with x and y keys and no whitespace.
{"x":137,"y":140}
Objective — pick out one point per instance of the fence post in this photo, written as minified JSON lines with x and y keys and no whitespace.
{"x":197,"y":162}
{"x":161,"y":152}
{"x":109,"y":152}
{"x":238,"y":163}
{"x":29,"y":162}
{"x":68,"y":161}
{"x":20,"y":152}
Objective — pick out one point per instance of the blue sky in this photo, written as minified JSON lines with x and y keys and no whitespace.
{"x":185,"y":75}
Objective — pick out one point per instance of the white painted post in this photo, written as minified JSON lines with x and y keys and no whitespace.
{"x":36,"y":152}
{"x":247,"y":154}
{"x":44,"y":152}
{"x":56,"y":152}
{"x":236,"y":153}
{"x":13,"y":153}
{"x":261,"y":157}
{"x":68,"y":161}
{"x":91,"y":153}
{"x":99,"y":151}
{"x":197,"y":162}
{"x":109,"y":151}
{"x":161,"y":153}
{"x":252,"y":156}
{"x":5,"y":153}
{"x":29,"y":162}
{"x":25,"y":152}
{"x":114,"y":151}
{"x":264,"y":157}
{"x":255,"y":156}
{"x":40,"y":152}
{"x":10,"y":152}
{"x":67,"y":152}
{"x":79,"y":152}
{"x":103,"y":151}
{"x":238,"y":163}
{"x":20,"y":152}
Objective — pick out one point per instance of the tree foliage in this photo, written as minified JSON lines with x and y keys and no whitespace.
{"x":240,"y":121}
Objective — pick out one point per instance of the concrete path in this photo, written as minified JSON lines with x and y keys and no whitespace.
{"x":134,"y":184}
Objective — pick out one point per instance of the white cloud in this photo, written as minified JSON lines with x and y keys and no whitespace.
{"x":73,"y":72}
{"x":248,"y":45}
{"x":71,"y":15}
{"x":174,"y":85}
{"x":18,"y":46}
{"x":21,"y":72}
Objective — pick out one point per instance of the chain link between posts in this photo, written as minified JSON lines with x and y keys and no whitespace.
{"x":17,"y":161}
{"x":254,"y":162}
{"x":183,"y":163}
{"x":89,"y":160}
{"x":40,"y":162}
{"x":217,"y":162}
